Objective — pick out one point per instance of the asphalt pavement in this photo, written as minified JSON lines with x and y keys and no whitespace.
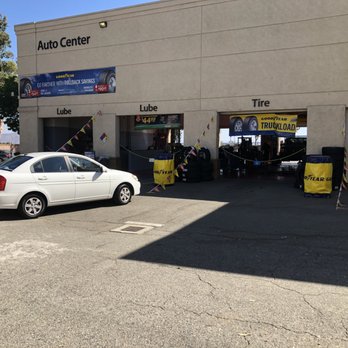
{"x":234,"y":262}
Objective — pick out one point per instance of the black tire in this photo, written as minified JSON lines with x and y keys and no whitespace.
{"x":250,"y":124}
{"x":236,"y":125}
{"x":32,"y":206}
{"x":204,"y":154}
{"x":108,"y":78}
{"x":206,"y":171}
{"x":191,"y":172}
{"x":122,"y":195}
{"x":206,"y":166}
{"x":337,"y":155}
{"x":25,"y":87}
{"x":190,"y":153}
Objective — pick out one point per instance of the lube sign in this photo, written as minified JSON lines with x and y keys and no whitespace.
{"x":63,"y":42}
{"x":63,"y":111}
{"x":148,"y":107}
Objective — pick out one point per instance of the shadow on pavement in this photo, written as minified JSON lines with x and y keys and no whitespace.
{"x":11,"y":215}
{"x":267,"y":228}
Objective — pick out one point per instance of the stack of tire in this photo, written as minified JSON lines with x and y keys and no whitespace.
{"x":337,"y":156}
{"x":223,"y":158}
{"x":229,"y":160}
{"x":178,"y":152}
{"x":199,"y":166}
{"x":299,"y":174}
{"x":206,"y":166}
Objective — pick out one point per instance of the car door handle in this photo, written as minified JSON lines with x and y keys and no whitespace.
{"x":41,"y":178}
{"x":80,"y":177}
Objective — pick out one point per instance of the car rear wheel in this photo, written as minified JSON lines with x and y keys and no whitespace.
{"x":32,"y":206}
{"x":122,"y":195}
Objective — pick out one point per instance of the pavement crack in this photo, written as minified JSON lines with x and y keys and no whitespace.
{"x":251,"y":322}
{"x":314,"y":308}
{"x":278,"y":327}
{"x":206,"y":282}
{"x":143,"y":305}
{"x":247,"y":340}
{"x":303,"y":297}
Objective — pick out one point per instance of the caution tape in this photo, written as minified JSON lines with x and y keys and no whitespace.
{"x":265,"y":161}
{"x":144,"y":157}
{"x":344,"y":182}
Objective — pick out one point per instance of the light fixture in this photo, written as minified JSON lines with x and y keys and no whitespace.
{"x":103,"y":24}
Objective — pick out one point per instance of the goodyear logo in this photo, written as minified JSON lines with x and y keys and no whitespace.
{"x":162,"y":171}
{"x":311,"y":177}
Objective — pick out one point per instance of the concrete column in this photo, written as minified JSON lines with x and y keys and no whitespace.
{"x":203,"y":125}
{"x":106,"y":123}
{"x":326,"y":127}
{"x":32,"y":134}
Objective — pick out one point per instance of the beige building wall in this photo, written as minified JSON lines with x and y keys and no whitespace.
{"x":32,"y":127}
{"x":326,"y":122}
{"x":199,"y":58}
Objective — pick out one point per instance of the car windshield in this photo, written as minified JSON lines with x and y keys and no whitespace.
{"x":14,"y":162}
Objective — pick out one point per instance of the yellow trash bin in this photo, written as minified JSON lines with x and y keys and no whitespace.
{"x":318,"y":175}
{"x":163,"y":172}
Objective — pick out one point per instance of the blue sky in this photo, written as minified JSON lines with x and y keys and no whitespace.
{"x":24,"y":11}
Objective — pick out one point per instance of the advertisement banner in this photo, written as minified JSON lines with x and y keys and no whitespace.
{"x":157,"y":121}
{"x":92,"y":81}
{"x":270,"y":124}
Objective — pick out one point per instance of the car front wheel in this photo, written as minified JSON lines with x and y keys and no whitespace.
{"x":32,"y":206}
{"x":122,"y":195}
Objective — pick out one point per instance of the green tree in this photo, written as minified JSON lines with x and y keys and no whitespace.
{"x":8,"y":80}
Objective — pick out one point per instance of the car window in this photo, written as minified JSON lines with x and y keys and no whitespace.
{"x":14,"y":162}
{"x":83,"y":165}
{"x":5,"y":154}
{"x":37,"y":167}
{"x":50,"y":165}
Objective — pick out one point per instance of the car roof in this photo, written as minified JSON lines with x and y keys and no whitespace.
{"x":50,"y":154}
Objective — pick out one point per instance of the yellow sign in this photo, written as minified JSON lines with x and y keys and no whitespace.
{"x":163,"y":172}
{"x":273,"y":124}
{"x":318,"y":178}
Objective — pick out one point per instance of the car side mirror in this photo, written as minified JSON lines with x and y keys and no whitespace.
{"x":101,"y":170}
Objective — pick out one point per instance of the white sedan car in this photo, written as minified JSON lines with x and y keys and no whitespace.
{"x":32,"y":182}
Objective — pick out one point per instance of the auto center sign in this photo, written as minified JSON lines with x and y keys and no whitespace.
{"x":92,"y":81}
{"x":63,"y":42}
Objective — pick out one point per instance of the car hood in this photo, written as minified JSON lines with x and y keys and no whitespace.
{"x":120,"y":172}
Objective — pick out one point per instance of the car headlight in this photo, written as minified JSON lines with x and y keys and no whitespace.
{"x":135,"y":177}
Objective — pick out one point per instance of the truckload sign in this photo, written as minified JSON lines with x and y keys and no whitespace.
{"x":272,"y":124}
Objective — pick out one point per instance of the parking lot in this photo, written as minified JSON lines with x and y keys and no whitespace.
{"x":228,"y":263}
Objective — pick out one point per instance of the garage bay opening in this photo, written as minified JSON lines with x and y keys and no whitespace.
{"x":73,"y":134}
{"x":262,"y":144}
{"x":144,"y":138}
